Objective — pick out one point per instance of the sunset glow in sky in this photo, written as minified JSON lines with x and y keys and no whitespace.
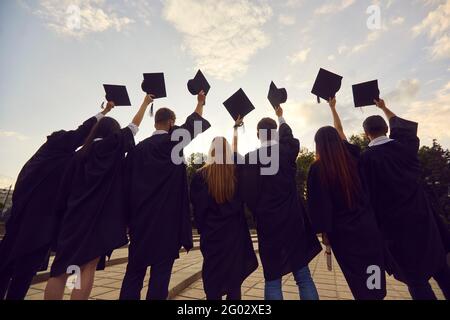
{"x":55,"y":55}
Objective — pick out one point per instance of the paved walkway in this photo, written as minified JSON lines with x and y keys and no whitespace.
{"x":186,"y":283}
{"x":331,"y":285}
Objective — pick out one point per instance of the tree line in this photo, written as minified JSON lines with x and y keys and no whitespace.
{"x":435,"y":162}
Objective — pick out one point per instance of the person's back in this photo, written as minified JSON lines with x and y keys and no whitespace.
{"x":392,"y":172}
{"x":31,"y":227}
{"x":339,"y":208}
{"x":158,"y":202}
{"x":219,"y":215}
{"x":286,"y":241}
{"x":161,"y":204}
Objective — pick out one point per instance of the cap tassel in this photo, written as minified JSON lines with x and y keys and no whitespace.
{"x":103,"y":105}
{"x":151,"y":110}
{"x":318,"y":99}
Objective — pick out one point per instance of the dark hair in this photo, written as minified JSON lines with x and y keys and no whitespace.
{"x":164,"y":115}
{"x":375,"y":126}
{"x":104,"y":128}
{"x":267,"y":124}
{"x":337,"y":167}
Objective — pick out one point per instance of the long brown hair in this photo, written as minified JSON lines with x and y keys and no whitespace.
{"x":220,"y":172}
{"x":104,"y":128}
{"x":337,"y":166}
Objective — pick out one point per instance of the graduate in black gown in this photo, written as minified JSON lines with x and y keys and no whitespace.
{"x":392,"y":171}
{"x":158,"y":202}
{"x":219,"y":213}
{"x":25,"y":247}
{"x":339,"y":209}
{"x":91,"y":204}
{"x":286,"y":241}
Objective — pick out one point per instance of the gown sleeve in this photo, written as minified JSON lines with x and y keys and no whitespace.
{"x":405,"y":132}
{"x":190,"y":126}
{"x":319,"y":203}
{"x":62,"y":197}
{"x":353,"y":149}
{"x":73,"y":139}
{"x":199,"y":200}
{"x":288,"y":141}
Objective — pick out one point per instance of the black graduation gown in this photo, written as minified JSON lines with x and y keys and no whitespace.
{"x":225,"y":240}
{"x":33,"y":222}
{"x":158,"y":199}
{"x":286,"y":240}
{"x":392,"y":172}
{"x":91,"y":202}
{"x":353,"y":233}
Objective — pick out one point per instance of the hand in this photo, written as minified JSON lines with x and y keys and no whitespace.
{"x":201,"y":98}
{"x":279,"y":111}
{"x":148,"y":99}
{"x":380,"y":104}
{"x":239,"y":122}
{"x":109,"y":106}
{"x":332,"y":102}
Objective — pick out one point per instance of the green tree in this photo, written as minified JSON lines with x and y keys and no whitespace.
{"x":435,"y":162}
{"x":360,"y":140}
{"x":194,"y":162}
{"x":304,"y":161}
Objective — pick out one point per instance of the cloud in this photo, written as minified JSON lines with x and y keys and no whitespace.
{"x":437,"y":27}
{"x":294,"y":3}
{"x":286,"y":20}
{"x":433,"y":116}
{"x":372,"y":37}
{"x":78,"y":18}
{"x":334,"y":7}
{"x":397,"y":21}
{"x":221,"y":35}
{"x":13,"y":135}
{"x":406,"y":91}
{"x":300,"y":56}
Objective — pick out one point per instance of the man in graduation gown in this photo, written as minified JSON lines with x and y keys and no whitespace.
{"x":32,"y":226}
{"x":286,"y":241}
{"x":393,"y":173}
{"x":158,"y":203}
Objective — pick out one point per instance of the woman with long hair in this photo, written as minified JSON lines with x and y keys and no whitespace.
{"x":339,"y":210}
{"x":91,"y":206}
{"x":219,"y":214}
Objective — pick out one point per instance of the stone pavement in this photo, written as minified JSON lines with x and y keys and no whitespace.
{"x":331,"y":285}
{"x":186,"y":283}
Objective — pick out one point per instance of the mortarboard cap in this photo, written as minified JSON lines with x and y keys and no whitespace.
{"x":154,"y":84}
{"x":198,"y":84}
{"x":276,"y":96}
{"x":365,"y":93}
{"x":117,"y":94}
{"x":327,"y":85}
{"x":239,"y":105}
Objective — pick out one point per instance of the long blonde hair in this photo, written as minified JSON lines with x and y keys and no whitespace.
{"x":220,"y":171}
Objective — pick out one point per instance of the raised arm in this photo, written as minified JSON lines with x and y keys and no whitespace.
{"x":286,"y":136}
{"x":237,"y":124}
{"x":73,"y":139}
{"x":336,"y":119}
{"x":403,"y":131}
{"x":382,"y":105}
{"x":137,"y":120}
{"x":196,"y":117}
{"x":201,"y":100}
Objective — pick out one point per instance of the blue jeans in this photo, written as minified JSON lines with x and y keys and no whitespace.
{"x":306,"y":287}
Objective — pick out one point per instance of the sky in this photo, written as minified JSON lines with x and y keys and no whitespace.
{"x":56,"y":54}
